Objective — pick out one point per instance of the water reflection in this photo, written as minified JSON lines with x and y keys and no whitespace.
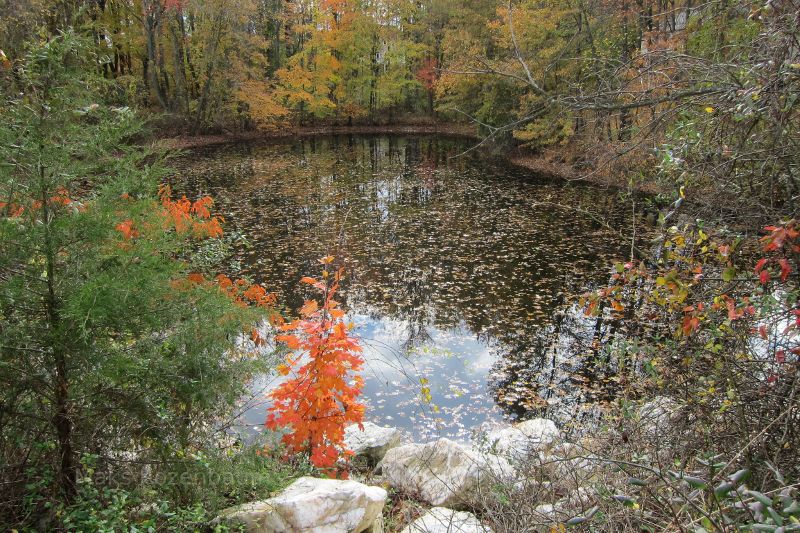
{"x":459,"y":270}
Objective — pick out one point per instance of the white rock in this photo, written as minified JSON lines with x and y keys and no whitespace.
{"x":312,"y":505}
{"x":578,"y":499}
{"x":657,"y":415}
{"x":372,"y":442}
{"x":546,"y":518}
{"x":567,"y":450}
{"x":256,"y":517}
{"x":442,"y":473}
{"x":442,"y":520}
{"x":520,"y":440}
{"x":571,"y":470}
{"x":548,"y":512}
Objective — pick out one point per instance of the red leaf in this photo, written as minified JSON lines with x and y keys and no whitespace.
{"x":732,"y":314}
{"x":690,"y":323}
{"x":785,"y":268}
{"x":127,"y":230}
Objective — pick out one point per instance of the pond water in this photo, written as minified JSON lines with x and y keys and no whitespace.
{"x":459,"y":270}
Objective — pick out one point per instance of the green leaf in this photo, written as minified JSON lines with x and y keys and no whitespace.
{"x":582,"y":519}
{"x":729,"y":274}
{"x":576,"y":521}
{"x":792,"y":509}
{"x":740,"y":476}
{"x":723,"y":489}
{"x":777,"y":518}
{"x":760,"y":497}
{"x":627,"y":501}
{"x":696,"y":482}
{"x":763,"y":527}
{"x":778,"y":476}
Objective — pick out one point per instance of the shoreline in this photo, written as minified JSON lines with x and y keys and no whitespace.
{"x":538,"y":163}
{"x":199,"y":141}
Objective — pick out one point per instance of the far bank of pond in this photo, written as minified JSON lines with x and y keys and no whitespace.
{"x":540,"y":163}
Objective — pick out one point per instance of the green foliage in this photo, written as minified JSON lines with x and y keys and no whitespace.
{"x":704,"y":36}
{"x":721,"y":335}
{"x":224,"y":477}
{"x":104,"y":350}
{"x":181,"y":495}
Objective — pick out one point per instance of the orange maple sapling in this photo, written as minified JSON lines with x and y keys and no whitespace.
{"x":321,"y":398}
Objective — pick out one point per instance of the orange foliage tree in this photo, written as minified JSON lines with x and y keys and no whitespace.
{"x":195,"y":218}
{"x":321,"y":397}
{"x":183,"y":215}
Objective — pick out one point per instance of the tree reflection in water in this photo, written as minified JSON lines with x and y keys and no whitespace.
{"x":460,"y":270}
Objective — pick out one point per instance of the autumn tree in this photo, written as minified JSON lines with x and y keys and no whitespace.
{"x":307,"y":84}
{"x":321,"y":395}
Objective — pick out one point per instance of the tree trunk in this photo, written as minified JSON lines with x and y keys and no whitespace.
{"x":211,"y":66}
{"x":192,"y":81}
{"x":181,"y":101}
{"x":151,"y":20}
{"x":67,"y":472}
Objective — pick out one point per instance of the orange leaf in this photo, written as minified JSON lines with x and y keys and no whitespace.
{"x":309,"y":308}
{"x":127,"y":230}
{"x":196,"y":277}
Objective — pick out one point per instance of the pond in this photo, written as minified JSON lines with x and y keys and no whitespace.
{"x":460,"y":269}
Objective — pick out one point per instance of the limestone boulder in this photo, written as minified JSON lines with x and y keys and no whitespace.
{"x":523,"y":439}
{"x":657,"y":416}
{"x":442,"y":473}
{"x":570,"y":465}
{"x":312,"y":505}
{"x":256,"y":517}
{"x":443,"y":520}
{"x":372,"y":442}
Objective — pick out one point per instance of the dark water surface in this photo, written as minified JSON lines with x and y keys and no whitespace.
{"x":459,"y":270}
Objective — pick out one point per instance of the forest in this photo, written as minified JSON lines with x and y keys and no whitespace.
{"x":601,"y":194}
